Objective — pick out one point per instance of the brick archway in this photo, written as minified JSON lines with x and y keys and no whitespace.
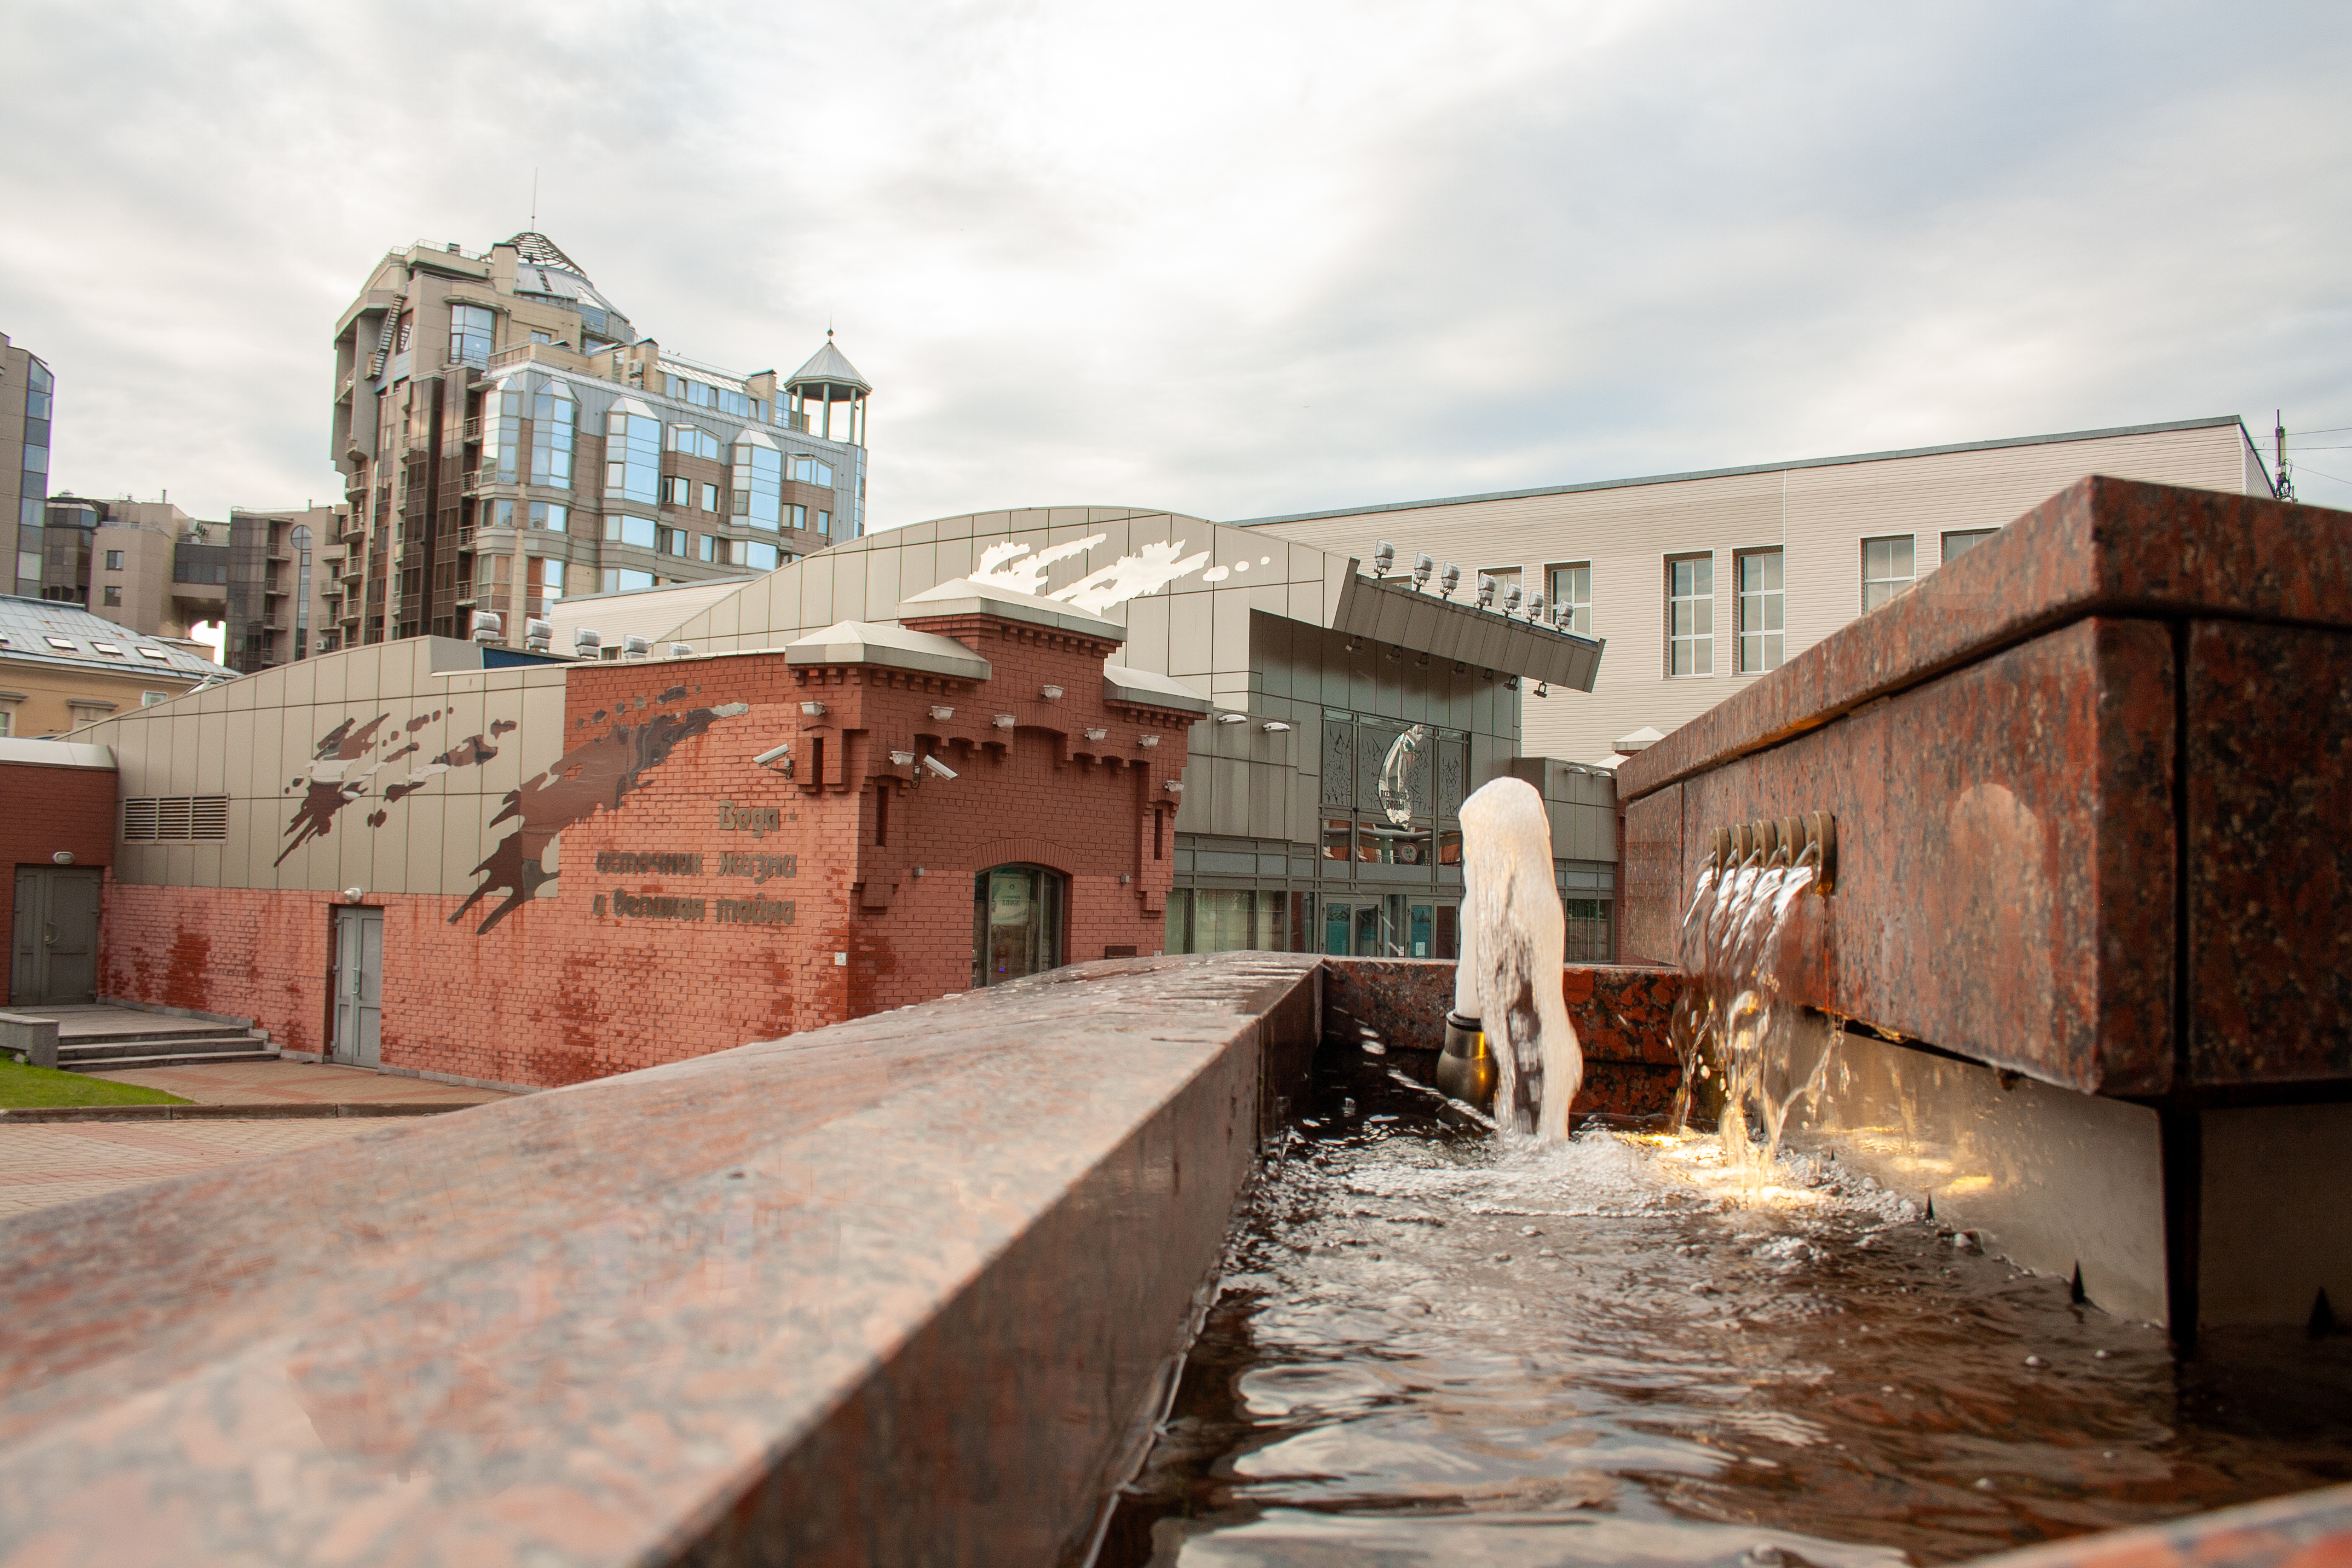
{"x":1022,"y":851}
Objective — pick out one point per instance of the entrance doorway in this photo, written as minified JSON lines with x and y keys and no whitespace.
{"x":1393,"y":925}
{"x":358,"y":987}
{"x":55,"y":958}
{"x":1016,"y":923}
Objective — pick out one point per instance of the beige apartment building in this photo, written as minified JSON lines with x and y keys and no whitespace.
{"x":62,"y":668}
{"x":27,"y":393}
{"x":509,"y":437}
{"x":146,"y":565}
{"x":1700,"y":583}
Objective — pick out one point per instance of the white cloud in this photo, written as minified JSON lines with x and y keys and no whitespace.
{"x":1229,"y":259}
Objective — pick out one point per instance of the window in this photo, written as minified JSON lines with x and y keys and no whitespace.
{"x":551,"y":516}
{"x":1572,"y":592}
{"x":809,"y":471}
{"x":636,"y":530}
{"x":694,"y":441}
{"x":796,"y":517}
{"x":1886,"y":570}
{"x":1959,"y":544}
{"x":825,"y":523}
{"x":408,"y":331}
{"x":758,"y":483}
{"x":678,"y":492}
{"x":114,"y":596}
{"x":552,"y":420}
{"x":39,"y":384}
{"x":470,"y":328}
{"x":502,"y":436}
{"x":539,"y":337}
{"x":759,"y":557}
{"x":710,"y":548}
{"x":149,"y":699}
{"x":1759,"y":611}
{"x":671,"y":540}
{"x":114,"y":561}
{"x":617,"y":582}
{"x":710,"y":498}
{"x":8,"y":722}
{"x":1690,"y":616}
{"x":633,"y":457}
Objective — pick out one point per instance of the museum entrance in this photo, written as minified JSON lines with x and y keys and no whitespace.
{"x":1017,"y":922}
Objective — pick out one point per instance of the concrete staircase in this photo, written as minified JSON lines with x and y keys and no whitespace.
{"x":112,"y":1039}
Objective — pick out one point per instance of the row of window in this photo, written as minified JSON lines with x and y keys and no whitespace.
{"x":1888,"y":567}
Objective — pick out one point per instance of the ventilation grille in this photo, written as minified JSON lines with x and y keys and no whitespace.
{"x":178,"y":817}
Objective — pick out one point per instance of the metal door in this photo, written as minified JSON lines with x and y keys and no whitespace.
{"x":56,"y":947}
{"x":358,"y":987}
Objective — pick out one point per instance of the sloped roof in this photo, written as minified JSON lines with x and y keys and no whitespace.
{"x":649,"y":612}
{"x":890,"y":644}
{"x":829,"y":368}
{"x":534,"y":247}
{"x":962,"y":597}
{"x":31,"y":629}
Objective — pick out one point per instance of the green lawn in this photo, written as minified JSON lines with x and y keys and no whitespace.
{"x":24,"y":1086}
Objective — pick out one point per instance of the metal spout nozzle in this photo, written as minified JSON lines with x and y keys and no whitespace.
{"x":1467,"y":1070}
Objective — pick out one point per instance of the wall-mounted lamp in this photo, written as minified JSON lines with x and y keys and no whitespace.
{"x":902,"y":759}
{"x":1422,"y":567}
{"x":489,"y":626}
{"x":1355,"y":645}
{"x":1004,"y":721}
{"x":1232,"y":718}
{"x":354,"y":895}
{"x":1535,"y":606}
{"x":635,"y":646}
{"x":1124,"y":877}
{"x":1510,"y":683}
{"x":537,"y":636}
{"x":943,"y":714}
{"x":1050,"y":693}
{"x":1174,"y":786}
{"x":587,"y":642}
{"x":1485,"y":591}
{"x":920,"y":871}
{"x":62,"y":857}
{"x":1449,"y":580}
{"x":1542,"y":690}
{"x":1146,"y":742}
{"x":681,"y":650}
{"x":1511,"y":599}
{"x":1384,"y":558}
{"x":1396,"y":655}
{"x":812,"y":710}
{"x":1275,"y":727}
{"x":1099,"y":735}
{"x":938,"y":767}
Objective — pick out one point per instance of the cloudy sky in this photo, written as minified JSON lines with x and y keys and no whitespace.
{"x":1231,"y":260}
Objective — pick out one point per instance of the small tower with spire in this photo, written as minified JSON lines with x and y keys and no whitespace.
{"x":826,"y":382}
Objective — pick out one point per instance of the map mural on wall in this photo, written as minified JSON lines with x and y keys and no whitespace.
{"x":593,"y":775}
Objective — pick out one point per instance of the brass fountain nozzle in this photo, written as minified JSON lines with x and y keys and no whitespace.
{"x":1467,"y":1071}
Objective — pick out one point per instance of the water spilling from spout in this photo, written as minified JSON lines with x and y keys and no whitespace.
{"x":1744,"y":1046}
{"x":1509,"y":974}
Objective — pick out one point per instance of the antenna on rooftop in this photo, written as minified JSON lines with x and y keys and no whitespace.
{"x":534,"y":198}
{"x":2285,"y":490}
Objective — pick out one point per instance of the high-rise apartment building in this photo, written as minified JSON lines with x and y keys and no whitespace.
{"x":28,"y":390}
{"x":507,"y":437}
{"x":143,"y":564}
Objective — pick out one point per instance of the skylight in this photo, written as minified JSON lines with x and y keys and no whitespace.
{"x":154,"y":653}
{"x":108,"y":647}
{"x":64,"y":643}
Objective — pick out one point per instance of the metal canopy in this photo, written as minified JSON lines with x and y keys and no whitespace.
{"x":1388,"y":611}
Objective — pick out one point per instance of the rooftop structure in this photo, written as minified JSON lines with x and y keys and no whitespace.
{"x":1703,"y":582}
{"x":27,"y":396}
{"x":509,"y":436}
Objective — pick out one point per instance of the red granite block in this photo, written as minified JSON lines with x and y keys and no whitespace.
{"x":2269,"y":753}
{"x":2005,"y":858}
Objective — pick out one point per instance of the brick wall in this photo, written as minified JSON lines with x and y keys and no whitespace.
{"x":613,"y":972}
{"x":44,"y":810}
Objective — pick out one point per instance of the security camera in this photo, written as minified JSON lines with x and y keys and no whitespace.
{"x":772,"y":754}
{"x":938,"y":767}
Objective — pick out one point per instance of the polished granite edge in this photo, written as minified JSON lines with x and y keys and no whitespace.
{"x":2101,"y":544}
{"x":2309,"y":1530}
{"x":631,"y":1319}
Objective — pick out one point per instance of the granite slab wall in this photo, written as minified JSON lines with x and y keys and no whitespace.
{"x":1621,"y":1013}
{"x":2130,"y":709}
{"x":904,"y":1290}
{"x":2310,"y":1529}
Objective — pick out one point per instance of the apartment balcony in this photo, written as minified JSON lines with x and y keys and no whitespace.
{"x":473,"y":431}
{"x":475,"y":478}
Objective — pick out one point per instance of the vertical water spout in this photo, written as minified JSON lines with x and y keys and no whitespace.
{"x":1514,"y":945}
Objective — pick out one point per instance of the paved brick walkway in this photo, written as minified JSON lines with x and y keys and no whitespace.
{"x":56,"y":1163}
{"x":283,"y":1082}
